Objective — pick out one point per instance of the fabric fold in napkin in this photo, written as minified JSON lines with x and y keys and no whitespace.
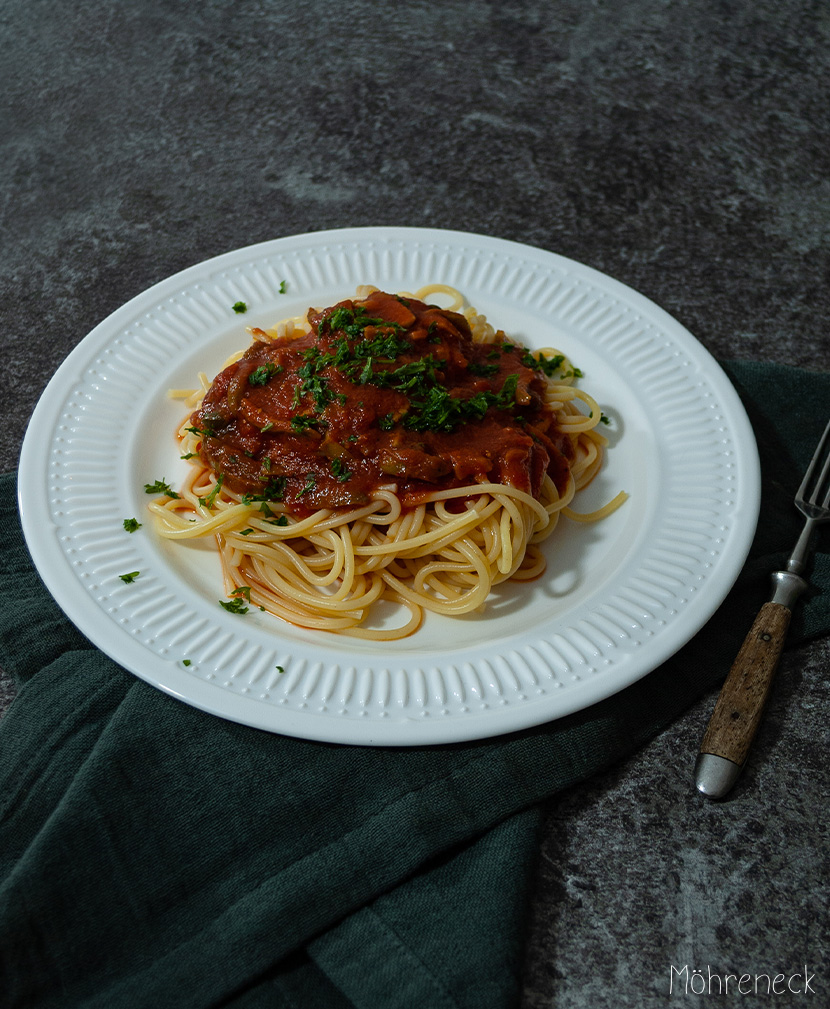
{"x":153,"y":855}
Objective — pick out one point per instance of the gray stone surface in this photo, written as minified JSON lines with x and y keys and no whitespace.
{"x":680,"y":147}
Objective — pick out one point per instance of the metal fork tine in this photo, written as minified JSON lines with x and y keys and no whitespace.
{"x":802,"y":497}
{"x":823,"y":481}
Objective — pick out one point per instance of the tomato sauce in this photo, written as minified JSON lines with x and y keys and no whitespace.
{"x":383,"y":392}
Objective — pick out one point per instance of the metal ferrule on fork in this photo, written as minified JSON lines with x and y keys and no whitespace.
{"x":787,"y":587}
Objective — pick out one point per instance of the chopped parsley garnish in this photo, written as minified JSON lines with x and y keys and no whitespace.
{"x":261,"y":375}
{"x":439,"y":411}
{"x":373,"y":361}
{"x":548,"y":365}
{"x":160,"y":487}
{"x":280,"y":520}
{"x":414,"y":377}
{"x":130,"y":576}
{"x":204,"y":432}
{"x":309,"y":485}
{"x":245,"y":532}
{"x":340,"y":471}
{"x":355,"y":362}
{"x":485,"y":370}
{"x":273,"y":491}
{"x":207,"y":502}
{"x":385,"y":346}
{"x":186,"y":662}
{"x":603,"y":419}
{"x":237,"y":603}
{"x":131,"y":525}
{"x":303,"y":422}
{"x":187,"y":455}
{"x":283,"y":287}
{"x":316,"y":386}
{"x":234,"y":606}
{"x":352,"y":321}
{"x":239,"y":307}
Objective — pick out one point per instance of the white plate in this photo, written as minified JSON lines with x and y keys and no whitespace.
{"x":619,"y":597}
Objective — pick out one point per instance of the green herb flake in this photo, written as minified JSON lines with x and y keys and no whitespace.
{"x":310,"y":484}
{"x":234,"y":606}
{"x":273,"y":491}
{"x":548,"y":365}
{"x":202,"y":432}
{"x":242,"y":590}
{"x":484,"y":370}
{"x":239,"y":307}
{"x":207,"y":502}
{"x":186,"y":662}
{"x":283,"y":286}
{"x":129,"y":577}
{"x":339,"y":470}
{"x":131,"y":525}
{"x":304,"y":422}
{"x":262,"y":374}
{"x":245,"y":532}
{"x":439,"y":411}
{"x":366,"y":374}
{"x":280,"y":669}
{"x":160,"y":487}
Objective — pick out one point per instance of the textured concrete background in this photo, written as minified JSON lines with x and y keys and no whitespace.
{"x":681,"y":147}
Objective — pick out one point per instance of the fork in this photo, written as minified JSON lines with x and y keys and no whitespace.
{"x":740,"y":704}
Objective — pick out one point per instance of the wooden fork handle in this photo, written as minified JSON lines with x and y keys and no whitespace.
{"x":741,"y":702}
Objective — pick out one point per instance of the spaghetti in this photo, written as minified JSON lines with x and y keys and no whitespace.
{"x":383,"y":450}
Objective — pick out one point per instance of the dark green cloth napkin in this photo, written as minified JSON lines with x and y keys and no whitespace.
{"x":153,"y":855}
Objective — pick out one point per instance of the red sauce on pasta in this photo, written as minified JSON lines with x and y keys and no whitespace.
{"x":384,"y":391}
